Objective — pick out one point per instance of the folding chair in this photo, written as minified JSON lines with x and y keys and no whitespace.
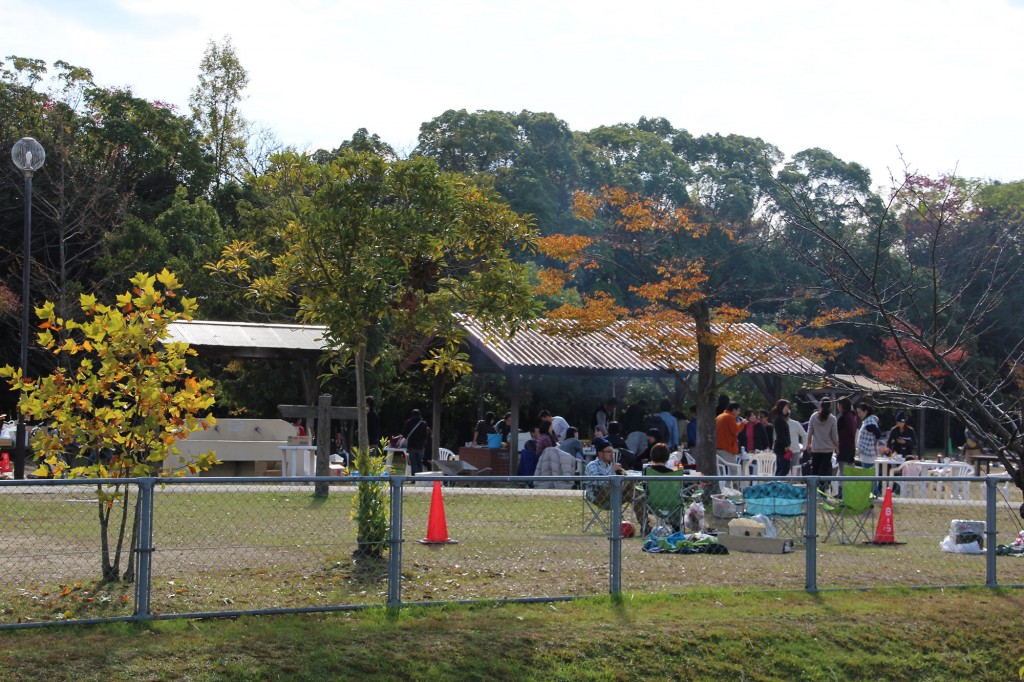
{"x":597,"y":503}
{"x":783,"y":503}
{"x":851,"y":517}
{"x":665,"y":497}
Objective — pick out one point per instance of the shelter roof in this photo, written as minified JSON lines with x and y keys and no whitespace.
{"x":613,"y":352}
{"x":250,"y":339}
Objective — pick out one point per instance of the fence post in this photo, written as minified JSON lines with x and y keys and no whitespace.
{"x":395,"y":553}
{"x":811,"y":536}
{"x":990,"y":532}
{"x":144,"y":551}
{"x":615,"y":538}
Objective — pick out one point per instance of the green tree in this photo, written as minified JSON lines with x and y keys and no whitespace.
{"x":122,"y":404}
{"x":366,"y":245}
{"x":929,"y":273}
{"x":214,"y":103}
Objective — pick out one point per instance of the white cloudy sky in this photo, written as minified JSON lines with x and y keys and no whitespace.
{"x":940,"y":81}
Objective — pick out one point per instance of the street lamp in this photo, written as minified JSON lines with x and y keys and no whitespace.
{"x":28,"y":156}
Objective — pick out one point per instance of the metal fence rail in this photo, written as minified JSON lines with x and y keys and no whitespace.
{"x":231,"y":546}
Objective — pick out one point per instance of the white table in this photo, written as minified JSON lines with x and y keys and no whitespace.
{"x":298,"y":460}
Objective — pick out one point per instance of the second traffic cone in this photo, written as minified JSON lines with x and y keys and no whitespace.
{"x":885,"y":533}
{"x":437,"y":526}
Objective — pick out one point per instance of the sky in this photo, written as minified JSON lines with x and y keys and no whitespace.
{"x":930,"y":86}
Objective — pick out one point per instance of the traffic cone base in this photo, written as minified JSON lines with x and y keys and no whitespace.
{"x":885,"y":532}
{"x":437,"y":526}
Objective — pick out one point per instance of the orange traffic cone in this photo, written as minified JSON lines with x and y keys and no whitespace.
{"x":437,"y":527}
{"x":5,"y":463}
{"x":885,"y":533}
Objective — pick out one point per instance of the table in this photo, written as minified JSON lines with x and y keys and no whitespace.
{"x":298,"y":460}
{"x":984,"y":460}
{"x":487,"y":458}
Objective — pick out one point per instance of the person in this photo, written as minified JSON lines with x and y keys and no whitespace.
{"x":627,"y":457}
{"x":754,"y":436}
{"x":782,"y":445}
{"x":691,"y":428}
{"x":555,"y":462}
{"x":870,"y":441}
{"x":484,"y":428}
{"x":505,"y":427}
{"x":652,"y":440}
{"x":416,"y":434}
{"x":765,"y":417}
{"x":671,"y":423}
{"x":846,"y":424}
{"x":723,"y":404}
{"x":558,"y":425}
{"x":902,"y":439}
{"x":300,"y":428}
{"x":542,"y":436}
{"x":659,"y":459}
{"x":572,"y":444}
{"x":600,"y":432}
{"x":729,"y":425}
{"x":604,"y":414}
{"x":372,"y":424}
{"x":633,"y":418}
{"x":797,"y":442}
{"x":600,"y":493}
{"x":822,"y":440}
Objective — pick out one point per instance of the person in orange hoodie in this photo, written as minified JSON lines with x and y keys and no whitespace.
{"x":728,"y":426}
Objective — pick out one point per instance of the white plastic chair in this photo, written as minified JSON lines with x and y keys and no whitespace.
{"x":445,"y":454}
{"x":729,"y":469}
{"x":763,"y":464}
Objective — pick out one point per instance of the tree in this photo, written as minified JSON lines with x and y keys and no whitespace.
{"x":214,"y":103}
{"x":930,"y":273}
{"x":677,"y":267}
{"x":366,"y":245}
{"x":122,"y":404}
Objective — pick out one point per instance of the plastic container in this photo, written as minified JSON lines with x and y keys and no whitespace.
{"x":494,"y":441}
{"x":724,"y":508}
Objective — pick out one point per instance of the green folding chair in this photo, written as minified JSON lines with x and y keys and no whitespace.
{"x":665,"y":497}
{"x":850,"y":518}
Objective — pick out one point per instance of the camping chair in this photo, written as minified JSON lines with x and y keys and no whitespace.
{"x":596,"y":505}
{"x":665,"y":497}
{"x":849,"y":518}
{"x":783,"y":503}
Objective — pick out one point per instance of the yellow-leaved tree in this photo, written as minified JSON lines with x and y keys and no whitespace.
{"x":119,"y":402}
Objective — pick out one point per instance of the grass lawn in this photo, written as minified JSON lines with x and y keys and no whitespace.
{"x":265,"y":547}
{"x":703,"y":634}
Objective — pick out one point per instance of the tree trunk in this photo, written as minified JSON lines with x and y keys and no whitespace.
{"x":435,"y":420}
{"x":707,"y":386}
{"x":363,"y":436}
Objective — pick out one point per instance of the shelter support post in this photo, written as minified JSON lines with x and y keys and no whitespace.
{"x":514,"y":384}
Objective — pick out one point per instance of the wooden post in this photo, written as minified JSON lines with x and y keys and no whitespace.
{"x":322,"y":413}
{"x":513,"y":435}
{"x":323,"y":443}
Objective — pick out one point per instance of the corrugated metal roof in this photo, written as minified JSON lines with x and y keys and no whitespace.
{"x":530,"y":350}
{"x":249,"y":339}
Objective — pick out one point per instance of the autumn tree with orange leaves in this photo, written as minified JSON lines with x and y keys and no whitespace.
{"x":674,"y":309}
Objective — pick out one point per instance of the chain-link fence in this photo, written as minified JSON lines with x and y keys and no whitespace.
{"x":229,"y":546}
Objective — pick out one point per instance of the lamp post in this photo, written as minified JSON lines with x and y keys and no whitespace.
{"x":28,"y":156}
